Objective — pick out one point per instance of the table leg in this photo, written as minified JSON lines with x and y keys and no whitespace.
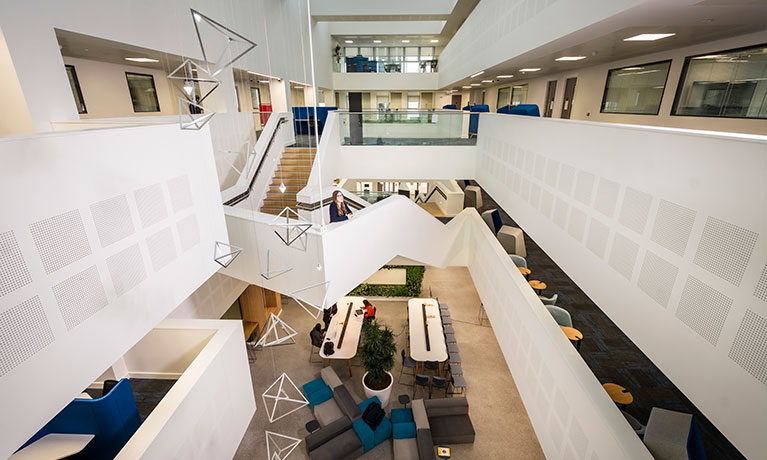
{"x":349,"y":364}
{"x":578,"y":344}
{"x":328,"y":362}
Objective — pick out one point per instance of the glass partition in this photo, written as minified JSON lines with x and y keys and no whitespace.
{"x":406,"y":127}
{"x":635,"y":89}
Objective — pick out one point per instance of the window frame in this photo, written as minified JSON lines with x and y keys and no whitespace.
{"x":683,"y":76}
{"x":662,"y":94}
{"x":156,"y":98}
{"x":77,"y":88}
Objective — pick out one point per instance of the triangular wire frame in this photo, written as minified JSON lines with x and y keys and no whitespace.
{"x":186,"y":73}
{"x":249,"y":152}
{"x":191,"y":122}
{"x":231,"y":36}
{"x":229,"y":250}
{"x":301,"y":226}
{"x":272,"y":324}
{"x":274,"y":451}
{"x":280,"y":383}
{"x":305,"y":303}
{"x":269,"y":274}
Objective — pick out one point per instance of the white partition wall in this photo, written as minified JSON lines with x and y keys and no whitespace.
{"x":665,"y":230}
{"x":103,"y":233}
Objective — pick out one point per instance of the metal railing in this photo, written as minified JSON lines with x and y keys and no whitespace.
{"x":405,"y":127}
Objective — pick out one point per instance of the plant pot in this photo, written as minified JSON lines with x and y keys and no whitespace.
{"x":383,"y":395}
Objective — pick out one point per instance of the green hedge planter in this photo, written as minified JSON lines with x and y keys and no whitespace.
{"x":411,"y":288}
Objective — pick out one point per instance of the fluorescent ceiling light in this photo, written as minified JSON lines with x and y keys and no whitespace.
{"x":570,"y":58}
{"x":263,"y":81}
{"x":647,"y":37}
{"x":435,"y":41}
{"x":376,"y":41}
{"x":252,"y":73}
{"x":711,"y":56}
{"x":505,"y":76}
{"x":633,"y":68}
{"x":405,"y":41}
{"x":477,"y":74}
{"x":487,"y":81}
{"x":475,"y":84}
{"x":466,"y":87}
{"x":532,"y":69}
{"x":141,"y":59}
{"x":348,"y":41}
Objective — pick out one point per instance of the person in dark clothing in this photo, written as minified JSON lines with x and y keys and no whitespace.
{"x":327,"y":314}
{"x":370,"y":311}
{"x":317,"y":336}
{"x":339,"y":211}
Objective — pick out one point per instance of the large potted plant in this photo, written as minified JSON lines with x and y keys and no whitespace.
{"x":377,"y":357}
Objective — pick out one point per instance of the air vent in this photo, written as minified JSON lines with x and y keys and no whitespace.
{"x":547,"y":203}
{"x":188,"y":232}
{"x":529,"y":162}
{"x":761,"y":287}
{"x":577,"y":224}
{"x":517,"y":183}
{"x":151,"y":205}
{"x":673,"y":225}
{"x":525,"y":192}
{"x":162,"y":249}
{"x":180,"y":193}
{"x":80,"y":296}
{"x":749,"y":350}
{"x":540,"y":166}
{"x":636,"y":207}
{"x":725,"y":249}
{"x":657,"y":278}
{"x":24,"y":330}
{"x":552,"y":172}
{"x":623,"y":255}
{"x":596,"y":241}
{"x":535,"y":195}
{"x":112,"y":219}
{"x":560,"y":213}
{"x":13,"y":270}
{"x":60,"y":240}
{"x":607,"y":197}
{"x":703,"y":309}
{"x":566,"y":178}
{"x":584,"y":187}
{"x":126,"y":269}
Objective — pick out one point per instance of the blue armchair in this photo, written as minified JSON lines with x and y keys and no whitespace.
{"x":450,"y":106}
{"x":371,"y":438}
{"x":531,"y":110}
{"x":474,"y":119}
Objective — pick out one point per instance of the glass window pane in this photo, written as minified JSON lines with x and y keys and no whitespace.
{"x":411,"y":67}
{"x":635,"y":89}
{"x":518,"y":95}
{"x":503,"y":98}
{"x":142,"y":92}
{"x":350,"y":51}
{"x":411,"y":53}
{"x":427,"y":52}
{"x":366,"y":52}
{"x":76,"y":92}
{"x":729,"y":83}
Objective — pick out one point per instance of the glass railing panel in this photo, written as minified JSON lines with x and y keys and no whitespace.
{"x":406,"y":127}
{"x":374,"y":197}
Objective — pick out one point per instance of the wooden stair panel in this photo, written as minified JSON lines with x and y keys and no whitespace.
{"x":293,"y":171}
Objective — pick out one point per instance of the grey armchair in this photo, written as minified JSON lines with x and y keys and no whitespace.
{"x":519,"y":261}
{"x":549,"y":300}
{"x":561,"y":316}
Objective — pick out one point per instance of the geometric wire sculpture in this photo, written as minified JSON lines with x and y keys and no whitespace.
{"x":224,"y":254}
{"x":271,"y":327}
{"x":273,"y":442}
{"x":232,"y":37}
{"x":190,"y":76}
{"x":305,"y":303}
{"x":281,"y":395}
{"x":269,"y":274}
{"x":192,"y":123}
{"x":293,"y":230}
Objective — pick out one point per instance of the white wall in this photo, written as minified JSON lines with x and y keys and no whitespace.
{"x":166,"y":353}
{"x":100,"y":275}
{"x":212,"y":299}
{"x":404,"y":162}
{"x":369,"y":81}
{"x":663,"y":229}
{"x":14,"y":115}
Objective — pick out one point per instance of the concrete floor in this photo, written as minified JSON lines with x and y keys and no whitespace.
{"x":499,"y":417}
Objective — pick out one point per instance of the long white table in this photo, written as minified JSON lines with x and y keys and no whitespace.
{"x":351,"y":337}
{"x":437,"y":348}
{"x":53,"y":446}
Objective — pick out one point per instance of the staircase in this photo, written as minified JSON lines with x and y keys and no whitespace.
{"x":293,"y":170}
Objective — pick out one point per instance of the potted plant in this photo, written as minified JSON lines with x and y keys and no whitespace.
{"x":377,"y":357}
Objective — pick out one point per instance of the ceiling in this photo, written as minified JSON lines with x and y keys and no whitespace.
{"x":693,"y":23}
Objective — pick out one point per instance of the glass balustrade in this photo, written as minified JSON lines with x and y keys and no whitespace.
{"x":407,"y":127}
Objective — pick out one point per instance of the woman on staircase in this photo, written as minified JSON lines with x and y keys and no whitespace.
{"x":339,"y":211}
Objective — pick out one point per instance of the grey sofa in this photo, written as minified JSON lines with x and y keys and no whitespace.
{"x":449,"y":420}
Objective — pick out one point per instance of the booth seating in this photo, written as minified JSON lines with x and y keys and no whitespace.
{"x":492,"y":218}
{"x":505,"y":109}
{"x":472,"y":197}
{"x":530,"y":110}
{"x":369,"y":437}
{"x":303,"y":119}
{"x":467,"y":108}
{"x":449,"y":420}
{"x":513,"y":240}
{"x":474,"y":119}
{"x":112,"y":419}
{"x":450,"y":106}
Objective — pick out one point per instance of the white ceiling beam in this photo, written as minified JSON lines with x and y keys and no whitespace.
{"x":385,"y":8}
{"x":386,"y":28}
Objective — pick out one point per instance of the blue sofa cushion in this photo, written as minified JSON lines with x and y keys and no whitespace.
{"x":530,"y":110}
{"x":365,"y":434}
{"x":401,"y":416}
{"x":320,"y":396}
{"x":450,"y":106}
{"x":314,"y":385}
{"x":404,"y":430}
{"x":364,"y":404}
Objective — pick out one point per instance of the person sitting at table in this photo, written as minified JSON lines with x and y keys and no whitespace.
{"x":317,"y":336}
{"x":339,"y":211}
{"x":370,"y":311}
{"x":328,"y":314}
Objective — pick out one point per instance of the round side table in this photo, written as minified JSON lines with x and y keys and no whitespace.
{"x":404,"y":400}
{"x":312,"y":426}
{"x":537,"y":285}
{"x":574,"y":335}
{"x":618,"y":394}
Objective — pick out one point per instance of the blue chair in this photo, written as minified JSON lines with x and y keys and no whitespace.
{"x":474,"y":119}
{"x":531,"y":110}
{"x":403,"y":424}
{"x":371,"y":438}
{"x":317,"y":392}
{"x":450,"y":106}
{"x":505,"y":109}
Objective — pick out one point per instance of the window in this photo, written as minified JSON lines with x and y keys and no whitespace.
{"x":518,"y":94}
{"x":75,"y":85}
{"x":503,"y":98}
{"x":351,"y":51}
{"x":729,"y":84}
{"x":143,"y":93}
{"x":635,"y":89}
{"x":255,"y":97}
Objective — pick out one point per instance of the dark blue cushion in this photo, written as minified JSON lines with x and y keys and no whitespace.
{"x":403,"y":430}
{"x":530,"y":110}
{"x":481,"y":108}
{"x":365,"y":434}
{"x":313,"y":386}
{"x":497,"y":222}
{"x":383,"y":431}
{"x":450,"y":106}
{"x":402,"y":416}
{"x":320,"y":396}
{"x":504,"y":109}
{"x":466,"y":108}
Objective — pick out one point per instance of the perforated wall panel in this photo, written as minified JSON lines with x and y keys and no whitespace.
{"x":725,"y":249}
{"x":162,"y":249}
{"x":535,"y":195}
{"x":552,"y":172}
{"x":540,"y":167}
{"x":151,"y":205}
{"x":188,"y":232}
{"x":80,"y":296}
{"x":566,"y":179}
{"x":112,"y":219}
{"x":749,"y":350}
{"x":577,"y":224}
{"x":547,"y":203}
{"x":560,"y":213}
{"x":607,"y":196}
{"x":596,"y":241}
{"x":761,"y":287}
{"x":517,"y":185}
{"x":525,"y":192}
{"x":13,"y":269}
{"x":636,"y":207}
{"x":126,"y":269}
{"x":657,"y":278}
{"x":24,"y":330}
{"x":703,"y":309}
{"x":60,"y":240}
{"x":180,"y":193}
{"x":529,"y":162}
{"x":623,"y":255}
{"x":584,"y":187}
{"x":672,"y":227}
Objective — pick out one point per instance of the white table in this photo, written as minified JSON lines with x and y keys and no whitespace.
{"x":53,"y":446}
{"x":352,"y":335}
{"x":437,"y":347}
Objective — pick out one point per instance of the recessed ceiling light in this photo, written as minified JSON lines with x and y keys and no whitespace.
{"x":376,"y":41}
{"x":632,"y":68}
{"x":348,"y":41}
{"x":487,"y":81}
{"x":477,"y":74}
{"x":475,"y":84}
{"x":647,"y":37}
{"x":711,"y":56}
{"x":532,"y":69}
{"x":263,"y":81}
{"x":505,"y":76}
{"x":570,"y":58}
{"x":141,"y":59}
{"x":466,"y":87}
{"x":435,"y":41}
{"x":252,"y":73}
{"x":405,"y":41}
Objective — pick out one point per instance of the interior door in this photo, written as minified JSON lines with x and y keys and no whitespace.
{"x":567,"y":104}
{"x":355,"y":118}
{"x":551,"y":91}
{"x":457,"y":101}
